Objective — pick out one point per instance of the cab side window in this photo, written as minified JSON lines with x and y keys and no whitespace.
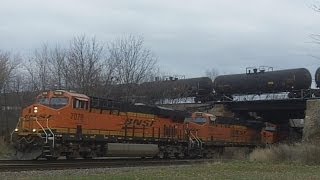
{"x":80,"y":104}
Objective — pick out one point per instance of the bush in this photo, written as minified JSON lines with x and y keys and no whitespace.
{"x":5,"y":150}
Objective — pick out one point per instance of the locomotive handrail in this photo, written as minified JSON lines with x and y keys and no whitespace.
{"x":18,"y":124}
{"x":190,"y":139}
{"x":50,"y":132}
{"x":198,"y":140}
{"x":42,"y":129}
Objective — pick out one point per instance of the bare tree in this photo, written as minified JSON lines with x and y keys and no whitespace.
{"x":4,"y":68}
{"x":316,"y":6}
{"x":315,"y":37}
{"x":58,"y":67}
{"x":84,"y":64}
{"x":38,"y":68}
{"x":212,"y":73}
{"x":108,"y":78}
{"x":133,"y":62}
{"x":8,"y":63}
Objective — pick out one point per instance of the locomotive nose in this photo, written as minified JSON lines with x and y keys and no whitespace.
{"x":34,"y":119}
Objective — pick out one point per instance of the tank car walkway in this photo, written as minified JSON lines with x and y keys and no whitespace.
{"x":267,"y":105}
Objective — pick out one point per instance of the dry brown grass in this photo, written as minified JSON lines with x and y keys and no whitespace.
{"x":306,"y":153}
{"x":237,"y":170}
{"x":236,"y":153}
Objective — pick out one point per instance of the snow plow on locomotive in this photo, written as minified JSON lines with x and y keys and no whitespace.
{"x":74,"y":125}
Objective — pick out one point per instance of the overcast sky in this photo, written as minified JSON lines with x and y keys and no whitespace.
{"x":187,"y":36}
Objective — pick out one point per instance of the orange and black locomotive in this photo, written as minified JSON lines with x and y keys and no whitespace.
{"x":62,"y":123}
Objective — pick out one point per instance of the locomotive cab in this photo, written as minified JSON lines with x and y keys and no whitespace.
{"x":201,"y":118}
{"x":60,"y":99}
{"x":47,"y":109}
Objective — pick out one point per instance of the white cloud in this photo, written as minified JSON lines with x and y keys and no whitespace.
{"x":188,"y":36}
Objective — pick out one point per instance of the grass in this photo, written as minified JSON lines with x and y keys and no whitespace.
{"x":303,"y":153}
{"x":296,"y":161}
{"x":218,"y":170}
{"x":230,"y":170}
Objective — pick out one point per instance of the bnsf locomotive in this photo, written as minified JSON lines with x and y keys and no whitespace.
{"x":62,"y":123}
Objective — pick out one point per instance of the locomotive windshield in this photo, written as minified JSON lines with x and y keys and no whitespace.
{"x":58,"y":102}
{"x":43,"y":101}
{"x":54,"y":102}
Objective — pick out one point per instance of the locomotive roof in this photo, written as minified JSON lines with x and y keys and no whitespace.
{"x":75,"y":94}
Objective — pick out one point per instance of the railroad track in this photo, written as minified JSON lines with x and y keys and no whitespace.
{"x":24,"y":165}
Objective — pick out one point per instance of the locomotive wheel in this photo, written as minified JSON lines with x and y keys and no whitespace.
{"x":88,"y":155}
{"x":179,"y":155}
{"x":70,"y":157}
{"x":52,"y":158}
{"x":208,"y":155}
{"x":163,"y":155}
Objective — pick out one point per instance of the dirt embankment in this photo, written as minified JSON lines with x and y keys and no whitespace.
{"x":311,"y":130}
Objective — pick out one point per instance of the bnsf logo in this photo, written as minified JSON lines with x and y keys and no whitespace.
{"x":138,"y":122}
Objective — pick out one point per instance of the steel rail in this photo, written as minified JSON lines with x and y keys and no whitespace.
{"x":22,"y":165}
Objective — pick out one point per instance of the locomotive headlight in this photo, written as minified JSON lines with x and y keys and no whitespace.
{"x":35,"y":109}
{"x":34,"y":130}
{"x":16,"y":130}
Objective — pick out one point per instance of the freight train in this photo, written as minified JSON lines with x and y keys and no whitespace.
{"x":62,"y":123}
{"x":256,"y":81}
{"x":296,"y":82}
{"x":171,"y":88}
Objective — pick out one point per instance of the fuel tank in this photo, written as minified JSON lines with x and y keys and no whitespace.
{"x":132,"y":150}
